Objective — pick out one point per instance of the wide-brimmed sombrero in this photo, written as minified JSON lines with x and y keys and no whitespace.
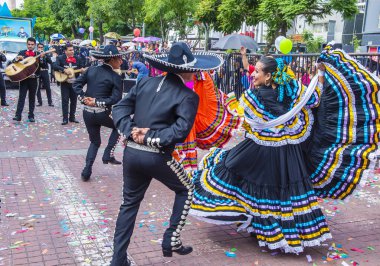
{"x":181,"y":60}
{"x":107,"y":52}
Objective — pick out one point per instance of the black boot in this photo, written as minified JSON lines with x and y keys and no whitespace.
{"x":86,"y":173}
{"x":111,"y":160}
{"x":181,"y":250}
{"x":107,"y":156}
{"x":127,"y":262}
{"x":17,"y":118}
{"x":90,"y":159}
{"x":73,"y":120}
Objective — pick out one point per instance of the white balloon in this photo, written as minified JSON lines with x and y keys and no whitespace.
{"x":277,"y":42}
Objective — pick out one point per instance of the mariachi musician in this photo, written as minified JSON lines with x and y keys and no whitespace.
{"x":63,"y":63}
{"x":104,"y":89}
{"x":45,"y":61}
{"x":28,"y":85}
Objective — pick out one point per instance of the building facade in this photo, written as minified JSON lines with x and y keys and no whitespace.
{"x":371,"y":25}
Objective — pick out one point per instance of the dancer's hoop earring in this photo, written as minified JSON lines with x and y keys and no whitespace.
{"x":266,"y":83}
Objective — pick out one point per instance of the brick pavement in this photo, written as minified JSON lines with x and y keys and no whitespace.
{"x":49,"y":217}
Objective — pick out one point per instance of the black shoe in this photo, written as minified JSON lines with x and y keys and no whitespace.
{"x":73,"y":120}
{"x":50,"y":104}
{"x":4,"y":104}
{"x":17,"y":118}
{"x":86,"y":174}
{"x":127,"y":262}
{"x":39,"y":104}
{"x":32,"y":120}
{"x":65,"y":122}
{"x":112,"y":160}
{"x":182,"y":250}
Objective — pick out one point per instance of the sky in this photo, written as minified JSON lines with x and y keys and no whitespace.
{"x":18,"y":2}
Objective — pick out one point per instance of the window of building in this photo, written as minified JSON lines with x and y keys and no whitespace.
{"x":320,"y":28}
{"x":378,"y":24}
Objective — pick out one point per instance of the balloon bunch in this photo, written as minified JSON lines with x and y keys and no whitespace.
{"x":283,"y":44}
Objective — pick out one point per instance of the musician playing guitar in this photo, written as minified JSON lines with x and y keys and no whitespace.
{"x":28,"y":85}
{"x":65,"y":62}
{"x":45,"y":61}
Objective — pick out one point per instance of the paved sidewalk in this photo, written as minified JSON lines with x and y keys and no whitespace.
{"x":49,"y":216}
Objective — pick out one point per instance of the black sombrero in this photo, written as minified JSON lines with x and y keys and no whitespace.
{"x":180,"y":60}
{"x":108,"y":51}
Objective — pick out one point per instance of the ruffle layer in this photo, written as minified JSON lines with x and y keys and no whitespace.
{"x":295,"y":131}
{"x":346,"y":137}
{"x":281,"y":217}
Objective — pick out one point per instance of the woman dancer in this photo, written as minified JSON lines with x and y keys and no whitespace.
{"x":267,"y":182}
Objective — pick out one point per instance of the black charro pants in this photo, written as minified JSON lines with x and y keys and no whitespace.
{"x":93,"y":122}
{"x":2,"y":90}
{"x":68,"y":94}
{"x":29,"y":86}
{"x":139,"y":167}
{"x":44,"y":83}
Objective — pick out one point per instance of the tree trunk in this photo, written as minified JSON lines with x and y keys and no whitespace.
{"x":100,"y":27}
{"x":206,"y":36}
{"x":284,"y":28}
{"x":270,"y":41}
{"x":133,"y":17}
{"x":74,"y":31}
{"x":163,"y":37}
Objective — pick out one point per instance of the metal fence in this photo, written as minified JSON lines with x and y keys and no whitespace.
{"x":230,"y":77}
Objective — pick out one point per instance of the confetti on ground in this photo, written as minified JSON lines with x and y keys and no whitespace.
{"x":336,"y":252}
{"x":354,"y":263}
{"x":357,"y":250}
{"x":309,"y":259}
{"x":230,"y":254}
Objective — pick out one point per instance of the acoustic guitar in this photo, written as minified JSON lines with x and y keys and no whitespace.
{"x":62,"y":77}
{"x":23,"y":69}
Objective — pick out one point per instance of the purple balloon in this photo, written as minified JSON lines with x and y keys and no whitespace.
{"x":81,"y":30}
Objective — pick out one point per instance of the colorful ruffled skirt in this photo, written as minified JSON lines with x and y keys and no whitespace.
{"x":272,"y":190}
{"x":213,"y":126}
{"x":266,"y":189}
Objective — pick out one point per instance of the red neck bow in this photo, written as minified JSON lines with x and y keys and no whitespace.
{"x":30,"y":53}
{"x":71,"y":60}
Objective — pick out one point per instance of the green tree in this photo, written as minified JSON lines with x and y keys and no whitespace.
{"x":70,"y":15}
{"x":170,"y":14}
{"x":313,"y":45}
{"x":206,"y":18}
{"x":280,"y":14}
{"x":355,"y":42}
{"x":227,"y":15}
{"x":125,"y":15}
{"x":99,"y":11}
{"x":277,"y":14}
